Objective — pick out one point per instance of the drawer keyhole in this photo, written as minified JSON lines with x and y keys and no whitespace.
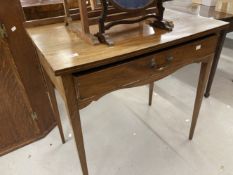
{"x":153,"y":63}
{"x":168,"y":61}
{"x":170,"y":58}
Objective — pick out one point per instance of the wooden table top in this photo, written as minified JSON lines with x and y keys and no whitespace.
{"x":197,"y":9}
{"x":64,"y":52}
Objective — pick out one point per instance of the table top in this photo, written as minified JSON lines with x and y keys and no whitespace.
{"x":197,"y":9}
{"x":64,"y":52}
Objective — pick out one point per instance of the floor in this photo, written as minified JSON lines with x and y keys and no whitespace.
{"x":124,"y":136}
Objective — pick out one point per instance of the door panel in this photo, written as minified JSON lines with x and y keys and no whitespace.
{"x":16,"y":123}
{"x":27,"y":63}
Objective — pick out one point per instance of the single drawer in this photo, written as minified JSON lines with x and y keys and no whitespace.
{"x":141,"y":70}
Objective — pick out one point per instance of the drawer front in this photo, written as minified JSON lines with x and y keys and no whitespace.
{"x":153,"y":67}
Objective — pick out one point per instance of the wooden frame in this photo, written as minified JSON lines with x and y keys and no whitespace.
{"x":93,"y":13}
{"x":83,"y":31}
{"x":131,"y":16}
{"x":26,"y":120}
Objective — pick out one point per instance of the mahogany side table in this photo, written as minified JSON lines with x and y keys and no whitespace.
{"x":83,"y":73}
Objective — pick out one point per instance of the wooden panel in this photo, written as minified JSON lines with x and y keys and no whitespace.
{"x":46,"y":11}
{"x":105,"y":80}
{"x":38,"y":9}
{"x":28,"y":66}
{"x":33,"y":3}
{"x":27,"y":63}
{"x":16,"y":123}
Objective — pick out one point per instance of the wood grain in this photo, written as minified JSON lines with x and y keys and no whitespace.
{"x":16,"y":123}
{"x":203,"y":78}
{"x":129,"y":42}
{"x":75,"y":121}
{"x":27,"y":63}
{"x":104,"y":80}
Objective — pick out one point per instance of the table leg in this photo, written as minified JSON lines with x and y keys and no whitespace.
{"x":215,"y":63}
{"x":204,"y":73}
{"x":57,"y":115}
{"x":75,"y":121}
{"x":53,"y":102}
{"x":151,"y":89}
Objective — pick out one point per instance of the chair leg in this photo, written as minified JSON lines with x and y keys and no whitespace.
{"x":151,"y":89}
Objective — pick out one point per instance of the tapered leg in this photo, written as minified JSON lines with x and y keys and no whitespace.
{"x":151,"y":89}
{"x":75,"y":121}
{"x":204,"y":73}
{"x":57,"y":115}
{"x":53,"y":102}
{"x":215,"y":63}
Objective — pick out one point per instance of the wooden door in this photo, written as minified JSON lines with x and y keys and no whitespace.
{"x":16,"y":123}
{"x":26,"y":61}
